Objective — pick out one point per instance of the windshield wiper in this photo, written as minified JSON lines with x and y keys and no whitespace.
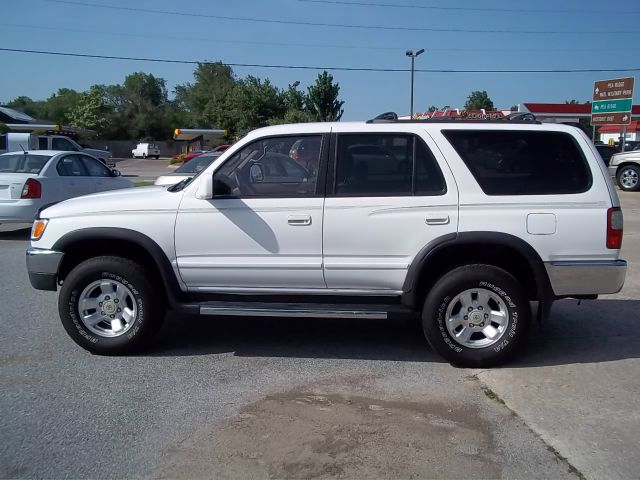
{"x":180,"y":185}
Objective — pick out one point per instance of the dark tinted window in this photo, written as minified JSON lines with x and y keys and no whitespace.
{"x":43,"y":143}
{"x":95,"y":168}
{"x":71,"y":166}
{"x":58,"y":143}
{"x":383,"y":165}
{"x":272,"y":167}
{"x":3,"y":142}
{"x":522,"y":162}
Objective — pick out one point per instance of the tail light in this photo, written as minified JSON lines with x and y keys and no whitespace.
{"x":31,"y":189}
{"x":614,"y":228}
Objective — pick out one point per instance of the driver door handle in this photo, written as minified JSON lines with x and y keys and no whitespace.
{"x":299,"y":220}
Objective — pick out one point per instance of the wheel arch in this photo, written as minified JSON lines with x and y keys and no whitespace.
{"x":80,"y":245}
{"x":494,"y":248}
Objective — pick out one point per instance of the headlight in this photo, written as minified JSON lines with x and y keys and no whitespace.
{"x":38,"y":228}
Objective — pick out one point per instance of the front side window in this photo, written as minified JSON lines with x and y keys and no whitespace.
{"x":71,"y":166}
{"x":522,"y":162}
{"x":95,"y":168}
{"x":386,"y":165}
{"x":272,"y":167}
{"x":43,"y":143}
{"x":58,"y":143}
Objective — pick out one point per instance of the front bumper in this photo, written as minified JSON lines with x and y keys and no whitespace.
{"x":586,"y":278}
{"x":42,"y":266}
{"x":613,"y":170}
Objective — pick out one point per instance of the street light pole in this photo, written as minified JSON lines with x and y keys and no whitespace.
{"x":412,"y":55}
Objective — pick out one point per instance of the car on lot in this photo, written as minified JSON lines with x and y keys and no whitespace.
{"x":606,"y":152}
{"x":33,"y":180}
{"x":17,"y":141}
{"x":456,"y":224}
{"x":146,"y":150}
{"x":188,"y":170}
{"x":625,"y":168}
{"x":189,"y":155}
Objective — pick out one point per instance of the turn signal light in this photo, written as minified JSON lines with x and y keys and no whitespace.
{"x":31,"y":189}
{"x":614,"y":228}
{"x":38,"y":228}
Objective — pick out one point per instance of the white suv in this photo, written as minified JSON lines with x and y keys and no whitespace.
{"x":458,"y":223}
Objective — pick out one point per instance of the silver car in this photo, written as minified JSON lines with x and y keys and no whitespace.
{"x":625,"y":168}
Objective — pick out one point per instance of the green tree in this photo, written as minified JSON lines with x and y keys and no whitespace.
{"x":478,"y":100}
{"x":3,"y":128}
{"x":322,"y":99}
{"x":90,"y":111}
{"x":34,"y":108}
{"x":59,"y":105}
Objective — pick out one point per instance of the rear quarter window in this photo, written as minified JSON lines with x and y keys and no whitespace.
{"x":522,"y":162}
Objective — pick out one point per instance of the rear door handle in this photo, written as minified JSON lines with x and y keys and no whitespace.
{"x":437,"y":220}
{"x":299,"y":220}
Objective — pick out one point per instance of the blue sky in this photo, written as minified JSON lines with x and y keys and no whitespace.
{"x":49,"y":25}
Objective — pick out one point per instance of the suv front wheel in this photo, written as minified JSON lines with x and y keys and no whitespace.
{"x":107,"y":306}
{"x":476,"y":316}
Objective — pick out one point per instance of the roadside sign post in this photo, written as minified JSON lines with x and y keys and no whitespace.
{"x":612,"y":104}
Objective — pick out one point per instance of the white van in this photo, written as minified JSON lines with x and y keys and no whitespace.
{"x":15,"y":141}
{"x":145,"y":150}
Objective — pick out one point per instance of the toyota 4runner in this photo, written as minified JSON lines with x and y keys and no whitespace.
{"x":460,"y":224}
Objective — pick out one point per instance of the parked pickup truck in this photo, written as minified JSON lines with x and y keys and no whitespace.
{"x":456,"y":224}
{"x":625,"y":168}
{"x":15,"y":142}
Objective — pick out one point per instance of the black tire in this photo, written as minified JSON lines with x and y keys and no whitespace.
{"x":505,"y":292}
{"x":156,"y":157}
{"x":628,"y":170}
{"x":148,"y":307}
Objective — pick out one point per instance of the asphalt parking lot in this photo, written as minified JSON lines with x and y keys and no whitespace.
{"x":259,"y":398}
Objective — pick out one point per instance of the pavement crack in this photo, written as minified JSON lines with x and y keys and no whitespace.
{"x":492,"y":395}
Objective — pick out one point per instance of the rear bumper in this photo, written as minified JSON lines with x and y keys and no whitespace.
{"x":586,"y":278}
{"x":18,"y":211}
{"x":42,"y":266}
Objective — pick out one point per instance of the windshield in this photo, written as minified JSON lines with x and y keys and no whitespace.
{"x":22,"y":163}
{"x":197,"y":164}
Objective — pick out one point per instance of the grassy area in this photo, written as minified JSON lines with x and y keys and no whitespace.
{"x":144,"y":183}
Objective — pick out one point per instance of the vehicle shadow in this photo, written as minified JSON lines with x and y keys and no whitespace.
{"x":15,"y":233}
{"x":595,"y":331}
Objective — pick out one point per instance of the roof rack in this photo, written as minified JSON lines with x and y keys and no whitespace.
{"x":516,"y":117}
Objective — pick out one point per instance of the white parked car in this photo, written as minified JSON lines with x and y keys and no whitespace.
{"x":625,"y":168}
{"x":189,"y":169}
{"x":460,"y":224}
{"x":33,"y":180}
{"x":146,"y":150}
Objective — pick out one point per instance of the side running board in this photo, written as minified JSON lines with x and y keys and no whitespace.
{"x":308,"y":310}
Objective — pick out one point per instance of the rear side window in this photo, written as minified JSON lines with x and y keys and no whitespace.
{"x":522,"y":162}
{"x":3,"y":142}
{"x":386,"y":165}
{"x":22,"y":163}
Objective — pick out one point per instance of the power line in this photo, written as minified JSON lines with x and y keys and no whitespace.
{"x":290,"y":44}
{"x":469,"y":9}
{"x":309,"y":67}
{"x":341,"y":25}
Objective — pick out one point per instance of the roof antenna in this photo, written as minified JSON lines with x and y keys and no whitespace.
{"x":23,"y":150}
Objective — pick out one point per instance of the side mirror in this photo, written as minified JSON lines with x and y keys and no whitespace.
{"x":205,"y":188}
{"x":256,"y":173}
{"x":116,"y":173}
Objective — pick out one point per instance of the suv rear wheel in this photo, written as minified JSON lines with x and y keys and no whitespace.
{"x":107,"y":306}
{"x":628,"y":178}
{"x":476,"y":316}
